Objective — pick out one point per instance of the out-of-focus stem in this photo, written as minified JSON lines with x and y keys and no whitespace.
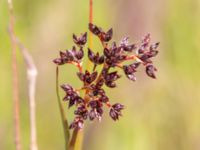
{"x":32,"y":75}
{"x":15,"y":77}
{"x":90,"y":21}
{"x":62,"y":112}
{"x":90,"y":36}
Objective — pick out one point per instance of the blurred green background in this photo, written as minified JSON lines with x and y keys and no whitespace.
{"x":162,"y":114}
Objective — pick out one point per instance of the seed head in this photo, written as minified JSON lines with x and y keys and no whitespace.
{"x":112,"y":56}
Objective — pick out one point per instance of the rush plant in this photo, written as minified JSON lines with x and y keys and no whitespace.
{"x":111,"y":58}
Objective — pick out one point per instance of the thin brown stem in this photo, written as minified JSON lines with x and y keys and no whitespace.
{"x":15,"y":77}
{"x":78,"y":65}
{"x":94,"y":67}
{"x":134,"y":57}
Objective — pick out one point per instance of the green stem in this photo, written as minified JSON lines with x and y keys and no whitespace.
{"x":62,"y":112}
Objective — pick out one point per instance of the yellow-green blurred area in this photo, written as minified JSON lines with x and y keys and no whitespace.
{"x":161,"y":114}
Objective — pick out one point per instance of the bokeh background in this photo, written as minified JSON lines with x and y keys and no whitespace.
{"x":162,"y":114}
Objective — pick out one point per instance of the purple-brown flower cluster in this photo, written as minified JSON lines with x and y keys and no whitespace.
{"x":90,"y":106}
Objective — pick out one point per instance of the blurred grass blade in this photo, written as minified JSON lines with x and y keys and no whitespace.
{"x":62,"y":112}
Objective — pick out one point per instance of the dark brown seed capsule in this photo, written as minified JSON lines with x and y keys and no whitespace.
{"x":150,"y":70}
{"x":154,"y":46}
{"x":79,"y":54}
{"x":58,"y":61}
{"x":115,"y":111}
{"x":91,"y":55}
{"x":80,"y":41}
{"x":106,"y":37}
{"x":94,"y":29}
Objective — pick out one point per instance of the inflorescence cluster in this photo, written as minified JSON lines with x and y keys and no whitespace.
{"x":113,"y":56}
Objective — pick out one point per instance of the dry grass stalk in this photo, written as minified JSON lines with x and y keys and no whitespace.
{"x":32,"y":74}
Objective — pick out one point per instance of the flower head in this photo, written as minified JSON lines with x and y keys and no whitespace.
{"x":112,"y":58}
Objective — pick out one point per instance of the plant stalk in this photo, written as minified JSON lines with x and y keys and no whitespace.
{"x":77,"y":136}
{"x":15,"y":77}
{"x":32,"y":76}
{"x":62,"y":112}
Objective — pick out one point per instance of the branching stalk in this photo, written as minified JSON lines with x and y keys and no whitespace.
{"x":77,"y":136}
